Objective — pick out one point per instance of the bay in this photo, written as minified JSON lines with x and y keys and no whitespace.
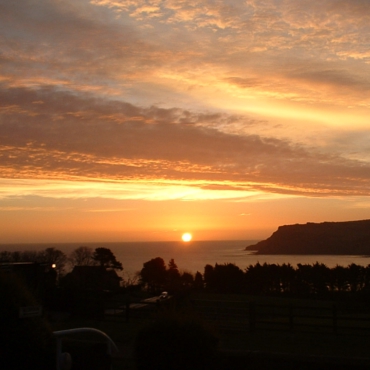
{"x":193,"y":256}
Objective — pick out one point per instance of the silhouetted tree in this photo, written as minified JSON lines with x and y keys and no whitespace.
{"x":303,"y":283}
{"x":198,"y":281}
{"x":228,"y":278}
{"x":208,"y":276}
{"x":173,"y":276}
{"x":6,"y":256}
{"x":367,"y":279}
{"x":91,"y":278}
{"x":173,"y":271}
{"x":31,"y":256}
{"x":48,"y":256}
{"x":320,"y":279}
{"x":105,"y":258}
{"x":52,"y":256}
{"x":287,"y":277}
{"x":339,"y":279}
{"x":255,"y":279}
{"x":272,"y":278}
{"x":82,"y":256}
{"x":154,"y":274}
{"x":356,"y":277}
{"x":187,"y":279}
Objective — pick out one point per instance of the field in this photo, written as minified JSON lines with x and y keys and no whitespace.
{"x":256,"y":331}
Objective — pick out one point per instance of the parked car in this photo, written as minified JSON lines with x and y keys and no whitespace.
{"x":164,"y":295}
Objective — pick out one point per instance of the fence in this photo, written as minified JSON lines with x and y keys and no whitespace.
{"x":252,"y":316}
{"x":117,"y":308}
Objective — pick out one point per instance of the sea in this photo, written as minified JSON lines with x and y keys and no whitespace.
{"x":193,"y":256}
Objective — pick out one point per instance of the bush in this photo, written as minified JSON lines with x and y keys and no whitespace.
{"x":176,"y":343}
{"x":25,"y":343}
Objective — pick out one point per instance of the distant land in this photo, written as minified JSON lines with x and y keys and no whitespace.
{"x":349,"y":238}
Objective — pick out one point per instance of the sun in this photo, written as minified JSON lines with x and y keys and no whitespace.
{"x":186,"y":237}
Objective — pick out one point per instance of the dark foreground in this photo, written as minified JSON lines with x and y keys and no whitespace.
{"x":238,"y":347}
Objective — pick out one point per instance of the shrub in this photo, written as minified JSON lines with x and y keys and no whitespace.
{"x":25,"y":343}
{"x":175,"y":342}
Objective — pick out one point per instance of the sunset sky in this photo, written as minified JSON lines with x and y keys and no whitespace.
{"x":143,"y":119}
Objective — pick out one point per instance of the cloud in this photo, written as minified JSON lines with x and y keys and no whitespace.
{"x":135,"y":49}
{"x":80,"y":137}
{"x":67,"y":44}
{"x":152,"y":90}
{"x":243,"y":82}
{"x":341,"y":79}
{"x":30,"y":209}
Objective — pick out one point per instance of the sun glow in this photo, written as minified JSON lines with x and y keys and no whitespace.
{"x":186,"y":237}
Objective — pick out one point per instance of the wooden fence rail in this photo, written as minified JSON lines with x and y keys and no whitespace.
{"x":254,"y":316}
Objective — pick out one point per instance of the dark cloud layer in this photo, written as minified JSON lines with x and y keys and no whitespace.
{"x":50,"y":133}
{"x":113,"y":44}
{"x":81,"y":82}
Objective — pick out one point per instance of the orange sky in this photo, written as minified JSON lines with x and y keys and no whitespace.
{"x":140,"y":120}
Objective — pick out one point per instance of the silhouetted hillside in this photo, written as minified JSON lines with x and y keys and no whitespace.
{"x":351,"y":237}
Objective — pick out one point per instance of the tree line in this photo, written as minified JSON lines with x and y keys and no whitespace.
{"x":305,"y":280}
{"x":81,"y":256}
{"x":315,"y":280}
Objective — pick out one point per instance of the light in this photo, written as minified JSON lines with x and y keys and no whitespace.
{"x":53,"y":266}
{"x":186,"y":237}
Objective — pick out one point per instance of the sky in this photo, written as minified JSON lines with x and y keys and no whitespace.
{"x":125,"y":120}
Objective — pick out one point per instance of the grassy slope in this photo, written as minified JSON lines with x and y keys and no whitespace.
{"x":296,"y":343}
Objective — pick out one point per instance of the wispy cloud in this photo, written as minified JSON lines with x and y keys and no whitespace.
{"x":70,"y":137}
{"x":186,"y":100}
{"x":126,"y":48}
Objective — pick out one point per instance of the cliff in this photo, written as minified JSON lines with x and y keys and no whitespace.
{"x":351,"y":237}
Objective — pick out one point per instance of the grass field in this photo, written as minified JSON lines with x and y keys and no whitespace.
{"x":227,"y":316}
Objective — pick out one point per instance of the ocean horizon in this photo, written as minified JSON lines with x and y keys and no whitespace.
{"x":192,"y":256}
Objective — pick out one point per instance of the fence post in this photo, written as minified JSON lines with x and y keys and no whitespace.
{"x":59,"y":353}
{"x":252,"y":316}
{"x":291,"y":317}
{"x":127,"y":310}
{"x":335,"y":319}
